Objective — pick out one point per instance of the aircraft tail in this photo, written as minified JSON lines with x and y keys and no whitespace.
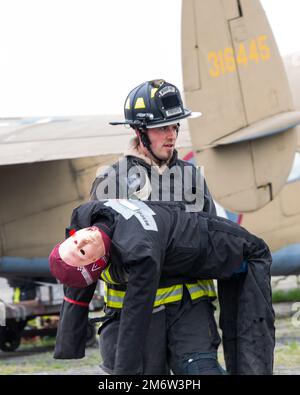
{"x":234,"y":75}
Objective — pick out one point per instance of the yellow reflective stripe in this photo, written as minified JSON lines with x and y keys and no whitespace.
{"x":202,"y":288}
{"x":105,"y":293}
{"x":113,"y":298}
{"x":116,"y":305}
{"x":170,"y":299}
{"x":17,"y":295}
{"x":105,"y":275}
{"x":201,"y":293}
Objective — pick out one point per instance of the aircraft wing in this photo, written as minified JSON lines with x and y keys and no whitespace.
{"x":28,"y":140}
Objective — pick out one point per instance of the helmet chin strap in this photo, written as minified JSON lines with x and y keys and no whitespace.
{"x":146,"y":142}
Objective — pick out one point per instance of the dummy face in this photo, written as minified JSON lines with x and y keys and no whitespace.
{"x":163,"y":141}
{"x":84,"y":247}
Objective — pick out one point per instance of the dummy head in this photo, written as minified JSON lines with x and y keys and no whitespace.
{"x":79,"y":260}
{"x":82,"y":248}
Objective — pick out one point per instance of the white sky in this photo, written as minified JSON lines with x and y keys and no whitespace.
{"x":68,"y":57}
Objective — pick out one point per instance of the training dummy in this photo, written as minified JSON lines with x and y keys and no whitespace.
{"x":146,"y":241}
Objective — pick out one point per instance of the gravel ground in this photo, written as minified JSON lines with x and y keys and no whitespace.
{"x":38,"y":359}
{"x":287,"y":362}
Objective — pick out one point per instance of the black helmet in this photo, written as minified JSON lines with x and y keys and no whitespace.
{"x":153,"y":104}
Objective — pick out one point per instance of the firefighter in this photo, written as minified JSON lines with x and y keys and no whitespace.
{"x":183,"y":322}
{"x":145,"y":241}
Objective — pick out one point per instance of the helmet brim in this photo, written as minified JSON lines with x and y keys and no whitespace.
{"x":157,"y":124}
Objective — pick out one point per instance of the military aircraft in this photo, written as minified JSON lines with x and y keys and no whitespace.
{"x":246,"y":140}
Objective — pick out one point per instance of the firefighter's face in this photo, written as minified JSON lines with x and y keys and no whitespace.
{"x":163,"y":141}
{"x":82,"y":248}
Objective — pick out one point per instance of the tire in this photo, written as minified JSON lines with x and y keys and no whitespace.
{"x":9,"y":339}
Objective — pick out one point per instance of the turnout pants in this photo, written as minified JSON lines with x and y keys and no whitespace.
{"x":183,"y":337}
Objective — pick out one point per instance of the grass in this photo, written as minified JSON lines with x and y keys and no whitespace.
{"x":288,"y":355}
{"x":43,"y":362}
{"x":291,"y":295}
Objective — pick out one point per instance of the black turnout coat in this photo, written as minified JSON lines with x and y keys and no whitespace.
{"x":177,"y":244}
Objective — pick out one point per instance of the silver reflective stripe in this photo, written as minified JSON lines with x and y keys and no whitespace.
{"x":158,"y":309}
{"x":86,"y":275}
{"x":112,"y":298}
{"x":197,"y":287}
{"x":167,"y":294}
